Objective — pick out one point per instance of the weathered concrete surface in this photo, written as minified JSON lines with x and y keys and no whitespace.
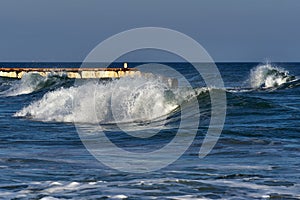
{"x":73,"y":75}
{"x":70,"y":72}
{"x":85,"y":73}
{"x":10,"y":74}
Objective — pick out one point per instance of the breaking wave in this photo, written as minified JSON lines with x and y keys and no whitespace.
{"x":122,"y":100}
{"x":32,"y":82}
{"x":268,"y":76}
{"x":130,"y":99}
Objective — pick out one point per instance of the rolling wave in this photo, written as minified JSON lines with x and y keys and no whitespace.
{"x":126,"y":100}
{"x":122,"y":100}
{"x":32,"y":82}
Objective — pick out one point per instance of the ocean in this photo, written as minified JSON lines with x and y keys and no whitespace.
{"x":54,"y":131}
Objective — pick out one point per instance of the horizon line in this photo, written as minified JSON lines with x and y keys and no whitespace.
{"x":150,"y":62}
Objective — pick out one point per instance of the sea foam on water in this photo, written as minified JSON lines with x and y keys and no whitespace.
{"x":123,"y":100}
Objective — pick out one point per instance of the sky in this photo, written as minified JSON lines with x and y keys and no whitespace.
{"x":229,"y":30}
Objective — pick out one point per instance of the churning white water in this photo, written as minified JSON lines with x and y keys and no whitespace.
{"x":123,"y":100}
{"x":32,"y":82}
{"x":268,"y":76}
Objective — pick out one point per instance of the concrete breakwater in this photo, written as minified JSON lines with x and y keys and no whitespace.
{"x":84,"y":73}
{"x":70,"y":72}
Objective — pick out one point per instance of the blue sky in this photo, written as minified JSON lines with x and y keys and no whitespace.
{"x":230,"y":30}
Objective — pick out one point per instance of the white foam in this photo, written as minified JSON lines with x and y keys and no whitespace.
{"x":55,"y":183}
{"x":261,"y":190}
{"x":125,"y":189}
{"x":268,"y":76}
{"x":123,"y":100}
{"x":188,"y":197}
{"x":29,"y":83}
{"x":55,"y":188}
{"x":49,"y":198}
{"x":120,"y":196}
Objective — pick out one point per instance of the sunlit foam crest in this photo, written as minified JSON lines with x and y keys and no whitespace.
{"x":32,"y":82}
{"x":123,"y":100}
{"x":268,"y":76}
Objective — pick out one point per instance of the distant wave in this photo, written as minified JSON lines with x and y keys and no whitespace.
{"x":268,"y":76}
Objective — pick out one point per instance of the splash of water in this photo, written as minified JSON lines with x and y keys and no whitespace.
{"x":123,"y":100}
{"x":31,"y":82}
{"x":268,"y":76}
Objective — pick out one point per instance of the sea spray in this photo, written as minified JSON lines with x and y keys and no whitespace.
{"x":32,"y":82}
{"x":123,"y":100}
{"x":268,"y":76}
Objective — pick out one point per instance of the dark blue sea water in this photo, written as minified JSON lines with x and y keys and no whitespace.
{"x":257,"y":156}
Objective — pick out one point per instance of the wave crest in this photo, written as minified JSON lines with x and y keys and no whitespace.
{"x":123,"y":100}
{"x":32,"y":82}
{"x":268,"y":76}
